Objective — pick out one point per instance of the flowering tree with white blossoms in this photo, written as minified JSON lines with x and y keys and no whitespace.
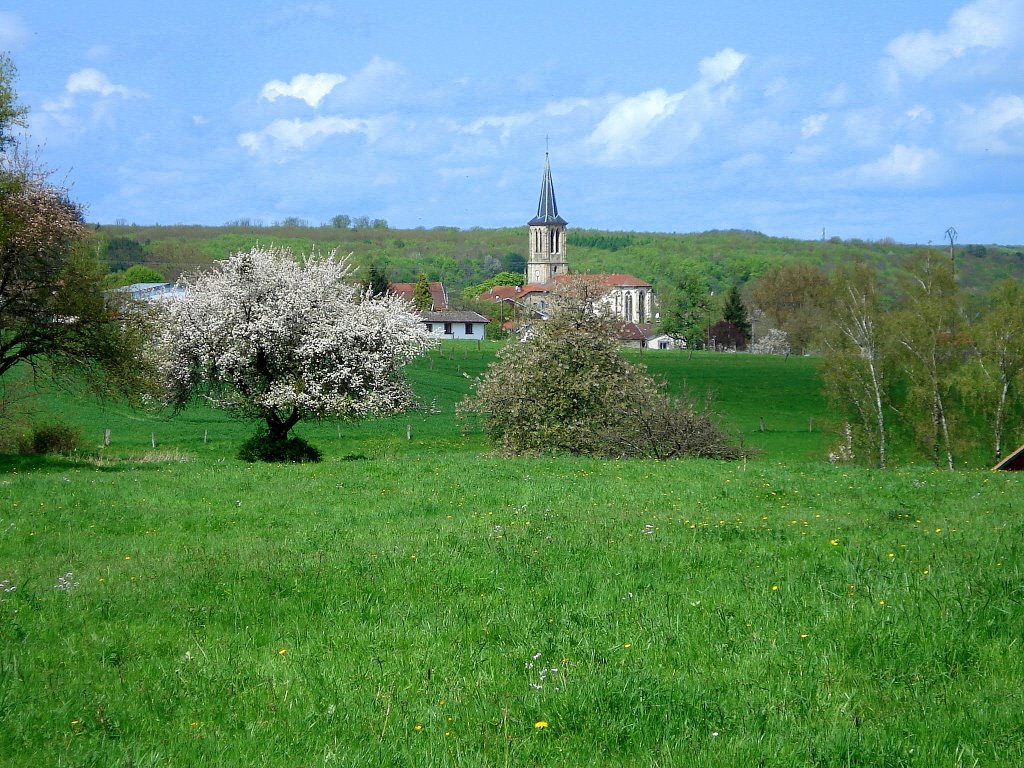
{"x":266,"y":336}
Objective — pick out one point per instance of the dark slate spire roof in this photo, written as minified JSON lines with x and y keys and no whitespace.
{"x":547,"y":208}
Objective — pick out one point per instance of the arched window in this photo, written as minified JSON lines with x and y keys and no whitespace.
{"x":629,"y":308}
{"x":641,"y":310}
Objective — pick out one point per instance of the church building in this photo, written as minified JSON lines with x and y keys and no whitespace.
{"x":629,"y":298}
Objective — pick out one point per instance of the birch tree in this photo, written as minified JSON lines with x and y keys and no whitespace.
{"x":926,"y":331}
{"x":993,"y":381}
{"x":856,"y":357}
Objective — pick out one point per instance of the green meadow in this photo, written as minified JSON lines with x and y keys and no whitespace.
{"x":416,"y":601}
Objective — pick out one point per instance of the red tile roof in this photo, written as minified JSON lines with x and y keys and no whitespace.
{"x":438,"y":295}
{"x":507,"y":292}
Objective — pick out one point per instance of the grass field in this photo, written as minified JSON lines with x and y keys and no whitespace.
{"x":418,"y":602}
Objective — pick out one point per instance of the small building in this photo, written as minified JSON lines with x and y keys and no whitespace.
{"x":1012,"y":463}
{"x":153,"y":291}
{"x":438,"y":295}
{"x":636,"y":335}
{"x":664,"y":341}
{"x":452,"y":324}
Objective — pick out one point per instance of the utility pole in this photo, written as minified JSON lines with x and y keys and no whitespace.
{"x":951,"y":235}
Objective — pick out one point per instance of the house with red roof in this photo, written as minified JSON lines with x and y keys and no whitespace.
{"x":438,"y":295}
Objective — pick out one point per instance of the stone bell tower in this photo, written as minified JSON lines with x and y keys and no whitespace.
{"x":547,"y":235}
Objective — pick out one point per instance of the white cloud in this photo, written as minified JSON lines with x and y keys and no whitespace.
{"x":634,"y":118}
{"x":379,"y":77}
{"x":86,"y":82}
{"x":300,"y":134}
{"x":13,"y":32}
{"x":812,"y":125}
{"x":902,"y":164}
{"x":983,"y":25}
{"x":997,"y":127}
{"x":507,"y":124}
{"x":308,"y":88}
{"x":94,"y":81}
{"x":721,"y":67}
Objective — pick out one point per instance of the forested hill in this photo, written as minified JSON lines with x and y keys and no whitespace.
{"x":466,"y":257}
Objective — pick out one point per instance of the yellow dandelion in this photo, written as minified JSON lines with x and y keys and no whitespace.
{"x":541,"y":724}
{"x":282,"y":652}
{"x":418,"y":727}
{"x":834,"y":542}
{"x":627,"y":645}
{"x":775,"y":587}
{"x":803,"y":635}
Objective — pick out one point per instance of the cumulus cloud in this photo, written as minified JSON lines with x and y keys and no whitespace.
{"x":812,"y":125}
{"x":980,"y":26}
{"x":308,"y":88}
{"x":283,"y":135}
{"x":94,"y":81}
{"x":13,"y":32}
{"x":86,"y":83}
{"x":997,"y":127}
{"x":634,"y":118}
{"x":721,"y":67}
{"x":903,"y":164}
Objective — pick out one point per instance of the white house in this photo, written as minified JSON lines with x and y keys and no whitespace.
{"x":454,"y":324}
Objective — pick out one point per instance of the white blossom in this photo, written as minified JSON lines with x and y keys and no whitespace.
{"x":266,"y":336}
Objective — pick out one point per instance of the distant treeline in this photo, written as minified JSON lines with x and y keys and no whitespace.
{"x":464,"y":257}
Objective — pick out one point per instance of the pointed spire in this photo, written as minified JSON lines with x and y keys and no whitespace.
{"x":547,"y":208}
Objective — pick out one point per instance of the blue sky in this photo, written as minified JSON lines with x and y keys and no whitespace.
{"x":867,"y":120}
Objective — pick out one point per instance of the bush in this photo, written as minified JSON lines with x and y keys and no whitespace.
{"x":262,"y":447}
{"x":50,"y":438}
{"x":569,"y":390}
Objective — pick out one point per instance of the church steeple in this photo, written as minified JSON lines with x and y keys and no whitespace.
{"x":547,"y":235}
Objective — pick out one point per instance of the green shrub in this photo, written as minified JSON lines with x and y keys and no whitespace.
{"x":262,"y":447}
{"x":50,"y":438}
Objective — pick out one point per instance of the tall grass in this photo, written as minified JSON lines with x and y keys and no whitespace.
{"x":422,"y":603}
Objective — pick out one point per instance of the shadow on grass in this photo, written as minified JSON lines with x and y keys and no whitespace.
{"x":15,"y":462}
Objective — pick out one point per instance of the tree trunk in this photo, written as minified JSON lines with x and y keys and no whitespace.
{"x":278,"y":428}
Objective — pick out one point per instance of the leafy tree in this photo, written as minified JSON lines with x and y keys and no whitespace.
{"x":735,"y":312}
{"x":53,"y":312}
{"x":857,"y":360}
{"x":123,"y":252}
{"x":12,"y":114}
{"x":925,"y":329}
{"x":266,"y":337}
{"x":421,"y":298}
{"x":376,"y":279}
{"x":502,"y":278}
{"x":568,"y":389}
{"x":793,"y":297}
{"x":724,"y":335}
{"x":341,"y":221}
{"x":379,"y":224}
{"x":685,"y":308}
{"x":136,"y":273}
{"x":993,"y":381}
